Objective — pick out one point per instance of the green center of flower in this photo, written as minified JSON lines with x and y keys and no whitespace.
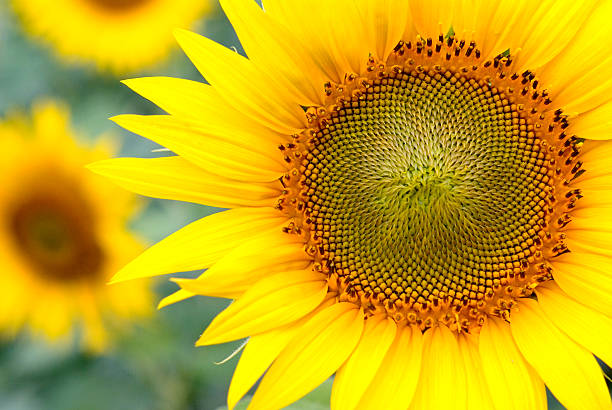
{"x":431,"y":184}
{"x":54,"y":233}
{"x":430,"y":180}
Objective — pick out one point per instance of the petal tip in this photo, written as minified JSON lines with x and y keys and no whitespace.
{"x":116,"y":279}
{"x":118,"y":119}
{"x":162,"y":304}
{"x":128,"y":273}
{"x":209,"y":337}
{"x":181,"y":34}
{"x":95,"y":166}
{"x":132,"y":84}
{"x":121,"y":118}
{"x":103,"y":167}
{"x":202,"y":341}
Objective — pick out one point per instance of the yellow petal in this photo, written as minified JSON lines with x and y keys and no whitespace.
{"x":477,"y":391}
{"x":591,"y":209}
{"x":485,"y":22}
{"x":587,"y":327}
{"x":535,"y":32}
{"x":275,"y":48}
{"x":180,"y":97}
{"x":432,"y":17}
{"x":202,"y":243}
{"x":512,"y":383}
{"x":199,"y":102}
{"x":242,"y":84}
{"x":353,"y":378}
{"x":592,"y":184}
{"x":178,"y":179}
{"x":314,"y":354}
{"x":594,"y":124}
{"x":395,"y":382}
{"x":324,"y":36}
{"x":596,"y":151}
{"x":595,"y":241}
{"x":352,"y":46}
{"x":385,"y":22}
{"x":587,"y":93}
{"x":442,"y":381}
{"x":263,"y":255}
{"x":260,"y":352}
{"x":272,"y":302}
{"x":547,"y":30}
{"x":175,"y":297}
{"x":597,"y":158}
{"x":593,"y":198}
{"x":245,"y":159}
{"x":578,"y":79}
{"x":580,"y":275}
{"x":569,"y":371}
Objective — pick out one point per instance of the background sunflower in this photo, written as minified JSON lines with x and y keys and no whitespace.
{"x":116,"y":35}
{"x":60,"y":238}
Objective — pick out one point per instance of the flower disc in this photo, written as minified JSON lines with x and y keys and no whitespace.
{"x":424,"y":183}
{"x":51,"y":226}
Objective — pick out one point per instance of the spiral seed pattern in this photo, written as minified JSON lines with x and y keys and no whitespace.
{"x":431,"y":181}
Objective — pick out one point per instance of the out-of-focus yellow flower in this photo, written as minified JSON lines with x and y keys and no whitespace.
{"x":118,"y":35}
{"x":62,"y":233}
{"x":426,"y":216}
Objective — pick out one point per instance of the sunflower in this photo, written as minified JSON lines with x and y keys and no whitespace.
{"x":420,"y":199}
{"x":117,"y":35}
{"x":61,"y":235}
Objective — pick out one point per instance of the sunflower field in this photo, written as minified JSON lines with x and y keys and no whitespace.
{"x":305,"y":204}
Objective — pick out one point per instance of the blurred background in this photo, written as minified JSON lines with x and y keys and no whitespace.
{"x":153,"y":364}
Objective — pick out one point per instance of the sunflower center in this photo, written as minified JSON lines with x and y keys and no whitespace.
{"x":118,"y":5}
{"x":428,"y":185}
{"x":53,"y":231}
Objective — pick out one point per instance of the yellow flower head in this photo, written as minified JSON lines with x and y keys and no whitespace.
{"x":62,"y":233}
{"x":424,"y":214}
{"x":117,"y":35}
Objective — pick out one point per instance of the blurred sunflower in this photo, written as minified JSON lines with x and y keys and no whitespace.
{"x":62,"y":233}
{"x":425,"y":215}
{"x":117,"y":35}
